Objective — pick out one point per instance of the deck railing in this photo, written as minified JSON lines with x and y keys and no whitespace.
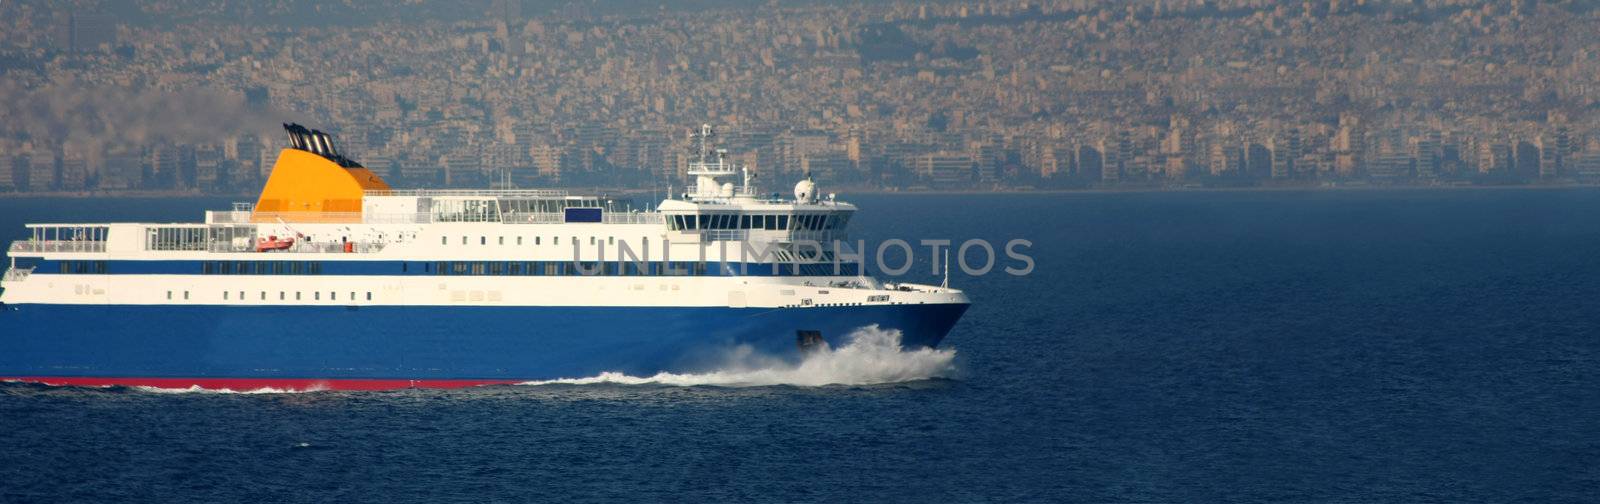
{"x":512,"y":193}
{"x":227,"y":217}
{"x":631,"y":218}
{"x":56,"y":246}
{"x":531,"y":218}
{"x":303,"y":248}
{"x":309,"y":217}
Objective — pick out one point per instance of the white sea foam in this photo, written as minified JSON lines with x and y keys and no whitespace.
{"x":869,"y":356}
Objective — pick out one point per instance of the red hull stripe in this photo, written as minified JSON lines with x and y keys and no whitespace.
{"x":249,"y":384}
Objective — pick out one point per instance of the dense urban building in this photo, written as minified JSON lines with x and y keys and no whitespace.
{"x":999,"y":95}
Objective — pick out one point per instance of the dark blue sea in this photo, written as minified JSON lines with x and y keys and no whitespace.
{"x":1352,"y":346}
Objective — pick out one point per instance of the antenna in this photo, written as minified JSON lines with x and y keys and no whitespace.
{"x":946,"y":283}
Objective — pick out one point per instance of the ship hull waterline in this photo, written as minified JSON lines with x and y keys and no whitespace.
{"x":297,"y":348}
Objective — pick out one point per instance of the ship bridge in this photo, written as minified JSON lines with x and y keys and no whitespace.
{"x":715,"y":210}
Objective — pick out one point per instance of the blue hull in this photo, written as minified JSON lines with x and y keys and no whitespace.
{"x":420,"y":343}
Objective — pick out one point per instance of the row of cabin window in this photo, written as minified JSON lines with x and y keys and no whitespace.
{"x":450,"y":268}
{"x":611,"y":268}
{"x":770,"y":222}
{"x":261,"y":268}
{"x":556,"y":240}
{"x":83,"y":267}
{"x":282,"y":296}
{"x":568,"y":268}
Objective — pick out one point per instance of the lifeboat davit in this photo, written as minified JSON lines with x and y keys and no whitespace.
{"x":272,"y":243}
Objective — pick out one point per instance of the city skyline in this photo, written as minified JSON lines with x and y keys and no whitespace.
{"x":180,"y":96}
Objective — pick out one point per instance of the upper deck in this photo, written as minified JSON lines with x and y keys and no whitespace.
{"x":314,"y":190}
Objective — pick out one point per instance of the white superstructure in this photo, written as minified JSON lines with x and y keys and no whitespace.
{"x":717,"y":245}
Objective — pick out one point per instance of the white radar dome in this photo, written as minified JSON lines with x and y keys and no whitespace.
{"x":805,"y":191}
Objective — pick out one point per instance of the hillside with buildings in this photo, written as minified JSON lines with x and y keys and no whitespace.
{"x":1003,"y":95}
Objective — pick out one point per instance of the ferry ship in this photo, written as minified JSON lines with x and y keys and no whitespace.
{"x":334,"y":280}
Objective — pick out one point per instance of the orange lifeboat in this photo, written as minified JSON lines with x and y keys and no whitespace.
{"x":272,"y":243}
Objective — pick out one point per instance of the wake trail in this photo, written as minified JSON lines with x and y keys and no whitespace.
{"x":869,"y":356}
